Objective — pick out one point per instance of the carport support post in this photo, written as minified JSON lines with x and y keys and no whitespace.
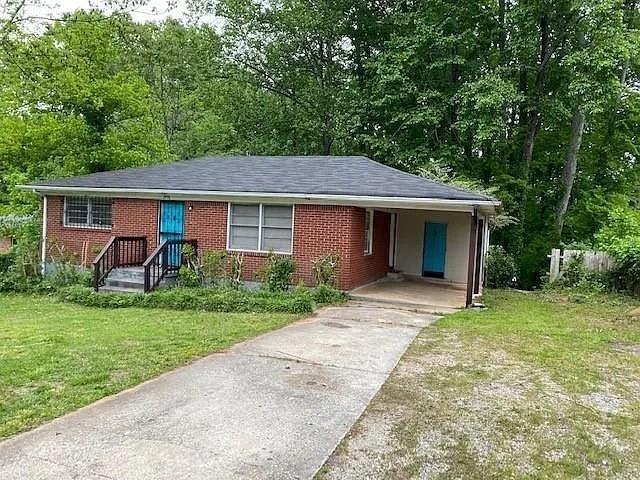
{"x":473,"y":233}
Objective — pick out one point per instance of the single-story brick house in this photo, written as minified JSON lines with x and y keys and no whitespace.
{"x":376,"y":218}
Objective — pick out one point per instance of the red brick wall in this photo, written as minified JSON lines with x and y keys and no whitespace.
{"x":318,"y":230}
{"x":367,"y":268}
{"x":129,"y":216}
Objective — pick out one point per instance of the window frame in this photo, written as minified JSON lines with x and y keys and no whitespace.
{"x":260,"y":227}
{"x":87,"y":225}
{"x":368,"y":245}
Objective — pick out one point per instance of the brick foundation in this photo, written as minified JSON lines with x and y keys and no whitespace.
{"x":318,"y":230}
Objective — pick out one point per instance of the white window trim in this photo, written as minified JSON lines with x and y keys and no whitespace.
{"x":368,"y":248}
{"x":259,"y":250}
{"x":84,"y":225}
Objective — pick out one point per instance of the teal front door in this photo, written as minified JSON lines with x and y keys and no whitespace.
{"x":435,"y":249}
{"x":172,"y":227}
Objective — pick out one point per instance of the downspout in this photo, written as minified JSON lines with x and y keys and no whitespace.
{"x":43,"y":251}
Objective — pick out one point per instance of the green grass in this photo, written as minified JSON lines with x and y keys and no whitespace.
{"x":57,"y":357}
{"x":572,"y":340}
{"x":539,"y":385}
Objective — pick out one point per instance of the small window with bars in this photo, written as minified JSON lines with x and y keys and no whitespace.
{"x":87,"y":212}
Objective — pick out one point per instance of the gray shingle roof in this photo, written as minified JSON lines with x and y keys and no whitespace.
{"x":329,"y":175}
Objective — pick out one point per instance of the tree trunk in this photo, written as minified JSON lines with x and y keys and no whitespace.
{"x":570,"y":168}
{"x":533,"y":122}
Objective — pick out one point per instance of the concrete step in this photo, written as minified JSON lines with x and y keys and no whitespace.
{"x":125,"y":283}
{"x":132,"y":280}
{"x":115,"y":289}
{"x":127,"y":273}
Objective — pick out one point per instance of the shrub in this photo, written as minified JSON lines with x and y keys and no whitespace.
{"x":26,"y":250}
{"x":576,"y":275}
{"x":188,"y":277}
{"x":276,"y":274}
{"x":501,"y":268}
{"x":204,"y":299}
{"x":621,"y":239}
{"x":20,"y":269}
{"x":6,"y":261}
{"x":324,"y":293}
{"x":65,"y":274}
{"x":325,"y":269}
{"x":213,"y":266}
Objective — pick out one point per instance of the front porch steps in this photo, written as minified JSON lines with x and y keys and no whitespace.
{"x":130,"y":280}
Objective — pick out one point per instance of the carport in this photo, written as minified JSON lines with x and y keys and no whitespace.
{"x":437,"y":255}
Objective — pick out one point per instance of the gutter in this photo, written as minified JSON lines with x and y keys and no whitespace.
{"x":487,"y":206}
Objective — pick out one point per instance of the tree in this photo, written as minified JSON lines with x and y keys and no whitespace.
{"x":72,"y":104}
{"x":295,"y":49}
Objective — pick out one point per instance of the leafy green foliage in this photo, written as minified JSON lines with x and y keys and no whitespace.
{"x":213,"y":266}
{"x":620,"y":237}
{"x":6,"y":260}
{"x":576,"y":276}
{"x":188,"y":277}
{"x":203,"y":299}
{"x":277,"y":272}
{"x":73,"y":103}
{"x":501,"y":268}
{"x":65,"y":274}
{"x":21,"y":267}
{"x":325,"y":294}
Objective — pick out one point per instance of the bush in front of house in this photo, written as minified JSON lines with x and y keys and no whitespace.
{"x":204,"y":299}
{"x":276,"y":274}
{"x":501,"y":268}
{"x":6,"y":260}
{"x":65,"y":274}
{"x":213,"y":266}
{"x":325,"y":269}
{"x":20,"y":270}
{"x":326,"y":294}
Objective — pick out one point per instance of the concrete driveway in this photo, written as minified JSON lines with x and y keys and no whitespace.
{"x":272,"y":407}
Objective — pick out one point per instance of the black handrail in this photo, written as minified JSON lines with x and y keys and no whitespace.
{"x":118,"y":252}
{"x":167,"y":257}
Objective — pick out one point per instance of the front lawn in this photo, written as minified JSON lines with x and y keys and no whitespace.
{"x":56,"y":357}
{"x":540,"y":385}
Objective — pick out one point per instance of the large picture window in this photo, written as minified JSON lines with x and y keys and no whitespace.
{"x":87,"y":212}
{"x":261,"y":228}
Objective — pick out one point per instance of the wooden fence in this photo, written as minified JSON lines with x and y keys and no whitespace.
{"x":594,"y":261}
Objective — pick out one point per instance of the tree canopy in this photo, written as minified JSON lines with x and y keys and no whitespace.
{"x":536,"y":100}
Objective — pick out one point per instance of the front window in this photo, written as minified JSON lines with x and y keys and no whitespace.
{"x":87,"y":212}
{"x":368,"y":232}
{"x":262,"y":228}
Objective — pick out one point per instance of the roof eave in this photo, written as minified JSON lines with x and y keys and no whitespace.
{"x":466,"y":205}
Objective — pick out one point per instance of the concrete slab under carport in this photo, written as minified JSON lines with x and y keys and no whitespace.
{"x":418,"y":293}
{"x":273,"y":407}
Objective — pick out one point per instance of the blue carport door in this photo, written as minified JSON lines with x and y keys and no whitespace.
{"x":172,"y":226}
{"x":435,"y":249}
